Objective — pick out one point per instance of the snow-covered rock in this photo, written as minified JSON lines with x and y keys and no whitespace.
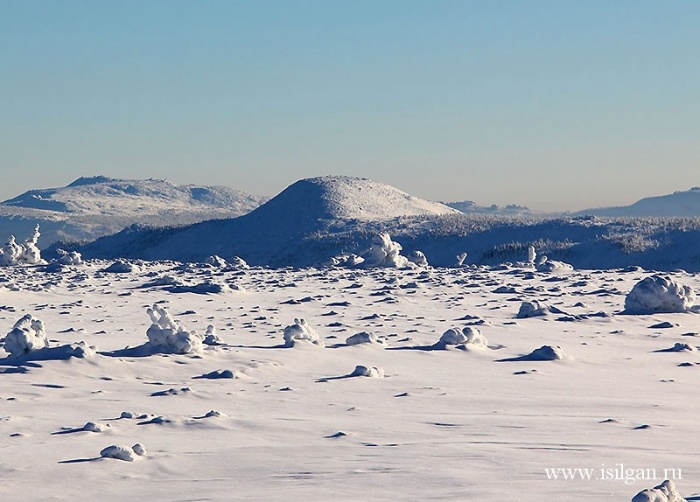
{"x":360,"y":338}
{"x":210,"y":337}
{"x":532,"y":309}
{"x":665,"y":492}
{"x":300,"y":331}
{"x":544,"y":264}
{"x":69,"y":257}
{"x":418,"y":259}
{"x":657,"y":294}
{"x":167,"y":335}
{"x":28,"y":334}
{"x":368,"y":371}
{"x":122,"y":452}
{"x":216,"y":261}
{"x":120,"y":267}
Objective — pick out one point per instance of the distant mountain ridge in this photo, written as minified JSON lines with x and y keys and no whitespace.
{"x":316,"y":219}
{"x":681,"y":204}
{"x":110,"y":196}
{"x":91,"y":207}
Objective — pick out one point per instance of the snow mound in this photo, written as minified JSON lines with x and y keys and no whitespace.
{"x":238,"y":263}
{"x":544,"y":353}
{"x":167,"y":335}
{"x":121,"y":452}
{"x":665,"y":492}
{"x":362,"y":338}
{"x":27,"y":253}
{"x":216,"y":261}
{"x":659,"y":294}
{"x":27,"y":335}
{"x":544,"y":264}
{"x":120,"y":267}
{"x":532,"y":309}
{"x":418,"y":259}
{"x":368,"y":371}
{"x":69,"y":257}
{"x":384,"y":252}
{"x":300,"y":331}
{"x":467,"y":337}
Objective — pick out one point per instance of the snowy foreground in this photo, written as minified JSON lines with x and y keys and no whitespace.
{"x":437,"y":395}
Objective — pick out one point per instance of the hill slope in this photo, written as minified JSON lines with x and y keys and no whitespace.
{"x":93,"y":207}
{"x":278,"y":231}
{"x":679,"y":204}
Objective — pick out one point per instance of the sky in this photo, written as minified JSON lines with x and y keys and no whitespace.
{"x":554,"y":105}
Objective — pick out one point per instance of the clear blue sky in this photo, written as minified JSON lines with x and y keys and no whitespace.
{"x":550,"y":104}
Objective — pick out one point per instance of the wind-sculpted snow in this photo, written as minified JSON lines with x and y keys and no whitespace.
{"x":658,"y":294}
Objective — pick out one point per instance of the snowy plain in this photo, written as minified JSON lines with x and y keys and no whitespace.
{"x":250,"y":417}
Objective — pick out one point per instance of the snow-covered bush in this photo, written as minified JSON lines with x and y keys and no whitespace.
{"x":300,"y":331}
{"x":69,"y":257}
{"x":659,"y":293}
{"x":27,"y":253}
{"x":167,"y":335}
{"x":384,"y":253}
{"x":665,"y":492}
{"x":468,"y":337}
{"x":27,"y":334}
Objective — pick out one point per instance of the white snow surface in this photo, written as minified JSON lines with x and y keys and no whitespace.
{"x":248,"y":419}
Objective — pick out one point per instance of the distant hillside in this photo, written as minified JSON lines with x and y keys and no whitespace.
{"x":276,"y":231}
{"x":93,"y":207}
{"x":678,"y":204}
{"x":470,"y":207}
{"x":319,"y":218}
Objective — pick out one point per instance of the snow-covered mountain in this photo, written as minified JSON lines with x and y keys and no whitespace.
{"x":678,"y":204}
{"x":317,"y":219}
{"x":292,"y":228}
{"x":92,"y":207}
